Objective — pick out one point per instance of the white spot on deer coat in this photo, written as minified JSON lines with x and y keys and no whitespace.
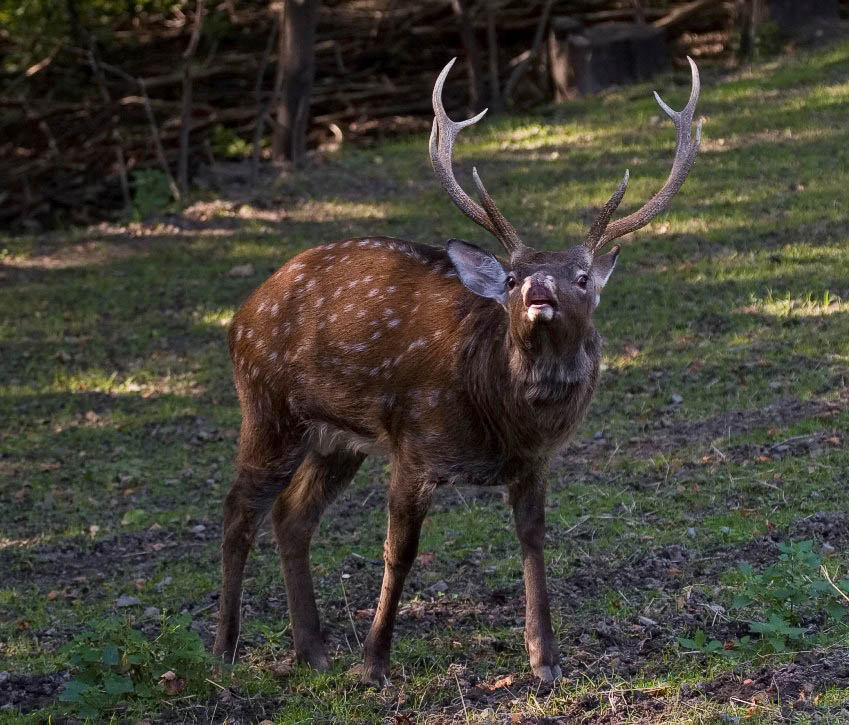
{"x":415,"y":344}
{"x":310,"y":285}
{"x":319,"y":302}
{"x":373,"y":291}
{"x":299,"y":277}
{"x":348,"y":307}
{"x":275,"y":308}
{"x":394,"y":322}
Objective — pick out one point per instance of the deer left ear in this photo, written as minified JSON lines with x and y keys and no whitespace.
{"x":479,"y":270}
{"x":602,"y":268}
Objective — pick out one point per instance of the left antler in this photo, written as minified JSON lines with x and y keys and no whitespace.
{"x":601,"y":233}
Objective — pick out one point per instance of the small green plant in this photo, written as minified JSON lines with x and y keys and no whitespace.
{"x":701,"y":643}
{"x":152,"y":192}
{"x":115,"y":664}
{"x":791,"y":603}
{"x":227,"y":143}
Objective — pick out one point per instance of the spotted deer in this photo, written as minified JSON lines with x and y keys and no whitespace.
{"x":458,"y":365}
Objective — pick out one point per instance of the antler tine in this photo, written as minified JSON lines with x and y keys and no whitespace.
{"x":600,"y":224}
{"x":505,"y":231}
{"x":442,"y":136}
{"x":685,"y":155}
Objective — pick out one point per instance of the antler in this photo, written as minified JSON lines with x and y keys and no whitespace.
{"x":600,"y":233}
{"x":442,"y":137}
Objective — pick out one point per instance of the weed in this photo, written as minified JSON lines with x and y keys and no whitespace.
{"x":152,"y":193}
{"x":791,"y":601}
{"x":115,"y":663}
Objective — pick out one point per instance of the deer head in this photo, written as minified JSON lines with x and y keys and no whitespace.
{"x":549,"y":294}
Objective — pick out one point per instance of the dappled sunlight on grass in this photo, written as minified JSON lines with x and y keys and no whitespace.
{"x":718,"y":425}
{"x":795,"y":307}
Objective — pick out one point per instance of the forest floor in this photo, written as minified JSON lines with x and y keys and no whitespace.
{"x":720,"y":430}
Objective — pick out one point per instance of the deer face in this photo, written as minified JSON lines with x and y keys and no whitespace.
{"x":543,"y":293}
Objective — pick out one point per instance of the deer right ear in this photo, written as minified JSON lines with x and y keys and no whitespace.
{"x":479,"y":270}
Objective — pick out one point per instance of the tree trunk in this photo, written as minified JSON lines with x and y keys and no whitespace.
{"x":295,"y":71}
{"x":492,"y":51}
{"x":470,"y":43}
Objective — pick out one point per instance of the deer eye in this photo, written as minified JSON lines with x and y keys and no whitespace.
{"x":582,"y":281}
{"x":511,"y":281}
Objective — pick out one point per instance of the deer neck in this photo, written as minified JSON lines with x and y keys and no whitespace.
{"x":538,"y":368}
{"x":546,"y":366}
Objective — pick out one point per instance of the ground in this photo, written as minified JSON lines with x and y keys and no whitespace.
{"x":719,"y":429}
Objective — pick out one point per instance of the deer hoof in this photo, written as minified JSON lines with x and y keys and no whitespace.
{"x":548,"y":673}
{"x":317,"y":660}
{"x":374,"y":678}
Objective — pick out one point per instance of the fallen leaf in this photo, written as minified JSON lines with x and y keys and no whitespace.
{"x":172,"y":683}
{"x":364,"y":613}
{"x":140,"y":584}
{"x":23,"y":624}
{"x":426,"y":558}
{"x":52,"y":595}
{"x":91,"y":416}
{"x":497,"y":685}
{"x":748,"y":681}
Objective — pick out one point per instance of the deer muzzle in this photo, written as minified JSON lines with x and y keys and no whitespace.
{"x":539,"y":296}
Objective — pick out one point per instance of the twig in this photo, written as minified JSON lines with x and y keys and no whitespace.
{"x":350,"y":616}
{"x":94,"y":60}
{"x":522,"y":66}
{"x":263,"y":108}
{"x":157,"y":142}
{"x":462,"y":699}
{"x":834,"y":586}
{"x":211,"y":682}
{"x":792,"y":439}
{"x":576,"y":525}
{"x":186,"y":115}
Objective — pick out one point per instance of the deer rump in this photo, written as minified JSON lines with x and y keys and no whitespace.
{"x":374,"y":345}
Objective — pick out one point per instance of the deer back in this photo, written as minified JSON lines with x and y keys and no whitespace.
{"x":375,"y":344}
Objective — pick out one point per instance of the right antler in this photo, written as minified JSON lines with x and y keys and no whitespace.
{"x":442,"y":137}
{"x":600,"y":233}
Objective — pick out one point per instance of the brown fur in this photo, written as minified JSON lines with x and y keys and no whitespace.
{"x":374,"y":345}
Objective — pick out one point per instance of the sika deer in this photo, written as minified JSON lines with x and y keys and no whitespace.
{"x":456,"y":364}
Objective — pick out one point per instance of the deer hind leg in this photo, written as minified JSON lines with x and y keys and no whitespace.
{"x":267,"y":461}
{"x":295,"y":517}
{"x":408,"y":505}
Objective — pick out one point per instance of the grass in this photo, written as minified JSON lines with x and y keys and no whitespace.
{"x":117,"y":420}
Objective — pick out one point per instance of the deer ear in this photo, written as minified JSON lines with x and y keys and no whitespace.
{"x":602,"y":268}
{"x":479,"y":270}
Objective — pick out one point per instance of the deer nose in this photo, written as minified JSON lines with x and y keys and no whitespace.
{"x":539,"y":287}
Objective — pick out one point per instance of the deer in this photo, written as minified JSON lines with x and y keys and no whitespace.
{"x":460,"y":366}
